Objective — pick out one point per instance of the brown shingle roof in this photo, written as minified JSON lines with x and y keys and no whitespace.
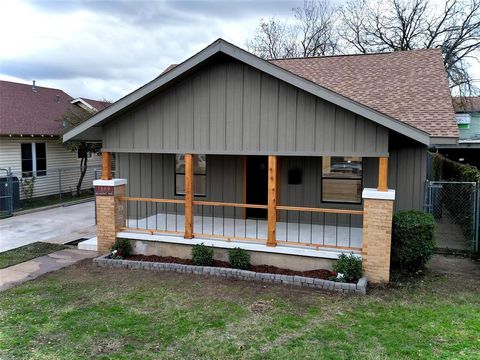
{"x":410,"y":86}
{"x":28,"y":112}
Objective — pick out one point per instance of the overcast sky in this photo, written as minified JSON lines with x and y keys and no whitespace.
{"x":106,"y":49}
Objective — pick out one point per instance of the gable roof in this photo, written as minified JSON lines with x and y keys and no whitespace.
{"x":221,"y":46}
{"x":410,"y":86}
{"x":28,"y":110}
{"x":25,"y":111}
{"x":95,"y":105}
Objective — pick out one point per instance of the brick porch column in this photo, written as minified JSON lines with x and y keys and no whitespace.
{"x":110,"y":211}
{"x":377,"y":234}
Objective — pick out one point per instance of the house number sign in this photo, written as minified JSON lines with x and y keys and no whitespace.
{"x":104,"y":190}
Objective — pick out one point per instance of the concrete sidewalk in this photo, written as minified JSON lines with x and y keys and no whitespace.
{"x":58,"y":225}
{"x":28,"y":270}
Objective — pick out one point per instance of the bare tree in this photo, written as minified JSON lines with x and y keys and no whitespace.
{"x":396,"y":25}
{"x":273,"y":39}
{"x":310,"y":33}
{"x":73,"y":117}
{"x":316,"y":28}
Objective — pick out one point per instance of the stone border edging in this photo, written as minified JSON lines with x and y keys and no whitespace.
{"x":359,"y":288}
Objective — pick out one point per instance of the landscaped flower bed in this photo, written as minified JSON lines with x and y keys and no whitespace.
{"x":314,"y":278}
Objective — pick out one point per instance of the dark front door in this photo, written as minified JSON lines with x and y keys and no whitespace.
{"x":257,"y":182}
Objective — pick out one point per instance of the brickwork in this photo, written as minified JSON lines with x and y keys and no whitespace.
{"x":348,"y":288}
{"x":110,"y":217}
{"x":377,"y":239}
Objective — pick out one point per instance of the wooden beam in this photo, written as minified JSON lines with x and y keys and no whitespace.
{"x":188,"y":196}
{"x":382,"y":173}
{"x":272,"y":200}
{"x":106,"y":166}
{"x":244,"y":185}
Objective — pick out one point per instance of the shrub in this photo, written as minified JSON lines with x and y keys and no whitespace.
{"x":350,"y":266}
{"x":202,"y":255}
{"x":239,"y":258}
{"x":123,"y":247}
{"x":413,"y":240}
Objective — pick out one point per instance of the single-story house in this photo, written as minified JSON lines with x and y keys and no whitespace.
{"x":295,"y":160}
{"x":467,"y":115}
{"x":30,"y":129}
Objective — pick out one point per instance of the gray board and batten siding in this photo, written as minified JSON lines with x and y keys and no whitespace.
{"x":153,"y":175}
{"x":227,"y":107}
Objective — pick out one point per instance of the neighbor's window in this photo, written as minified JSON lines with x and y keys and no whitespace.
{"x":199,"y":172}
{"x":342,"y":179}
{"x":34,"y":159}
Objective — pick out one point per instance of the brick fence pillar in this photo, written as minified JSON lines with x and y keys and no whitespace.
{"x":377,"y":234}
{"x":110,"y":211}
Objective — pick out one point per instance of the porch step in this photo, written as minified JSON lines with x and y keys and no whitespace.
{"x":90,"y":244}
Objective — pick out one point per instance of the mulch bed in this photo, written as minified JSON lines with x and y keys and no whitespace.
{"x":319,"y":273}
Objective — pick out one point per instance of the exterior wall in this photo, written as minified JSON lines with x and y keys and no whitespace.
{"x":377,"y":239}
{"x":231,"y":108}
{"x":407,"y":173}
{"x":110,"y":217}
{"x":473,"y":130}
{"x":152,"y":175}
{"x":57,"y":157}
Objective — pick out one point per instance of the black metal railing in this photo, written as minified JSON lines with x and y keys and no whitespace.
{"x":228,"y":221}
{"x":154,"y":215}
{"x":318,"y":227}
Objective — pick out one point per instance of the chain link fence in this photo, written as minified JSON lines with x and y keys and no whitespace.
{"x":455,"y":207}
{"x":43,"y":188}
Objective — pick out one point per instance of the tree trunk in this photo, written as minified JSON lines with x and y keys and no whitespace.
{"x":83,"y":171}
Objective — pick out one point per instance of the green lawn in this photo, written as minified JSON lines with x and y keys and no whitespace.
{"x":27,"y":252}
{"x":53,"y":200}
{"x":85,"y":312}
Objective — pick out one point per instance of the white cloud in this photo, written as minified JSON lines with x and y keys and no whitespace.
{"x":103,"y":49}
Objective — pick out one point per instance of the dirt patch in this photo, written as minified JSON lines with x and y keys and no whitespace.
{"x":455,"y":265}
{"x":261,"y":306}
{"x":318,"y":273}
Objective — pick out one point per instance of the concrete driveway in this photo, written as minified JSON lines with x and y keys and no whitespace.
{"x":58,"y":225}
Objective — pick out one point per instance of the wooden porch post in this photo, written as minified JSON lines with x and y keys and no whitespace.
{"x":106,"y":166}
{"x":188,"y":196}
{"x":382,"y":173}
{"x":272,"y":200}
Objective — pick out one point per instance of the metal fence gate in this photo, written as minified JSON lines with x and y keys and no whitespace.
{"x":456,"y":209}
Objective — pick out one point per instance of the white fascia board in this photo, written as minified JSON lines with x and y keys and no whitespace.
{"x":74,"y":101}
{"x":112,"y":182}
{"x":369,"y":193}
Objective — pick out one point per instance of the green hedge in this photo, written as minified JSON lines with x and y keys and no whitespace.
{"x":413,"y":240}
{"x":446,"y":169}
{"x":202,"y":255}
{"x":239,"y":258}
{"x":124,"y":248}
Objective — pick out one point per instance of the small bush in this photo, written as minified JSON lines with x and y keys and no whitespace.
{"x":123,"y":247}
{"x":413,"y":240}
{"x":239,"y":258}
{"x":350,"y":266}
{"x":202,"y":255}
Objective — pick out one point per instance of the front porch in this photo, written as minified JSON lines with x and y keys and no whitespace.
{"x":313,"y":228}
{"x":310,"y":232}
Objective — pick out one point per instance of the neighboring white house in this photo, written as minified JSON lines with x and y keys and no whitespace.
{"x":30,"y":130}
